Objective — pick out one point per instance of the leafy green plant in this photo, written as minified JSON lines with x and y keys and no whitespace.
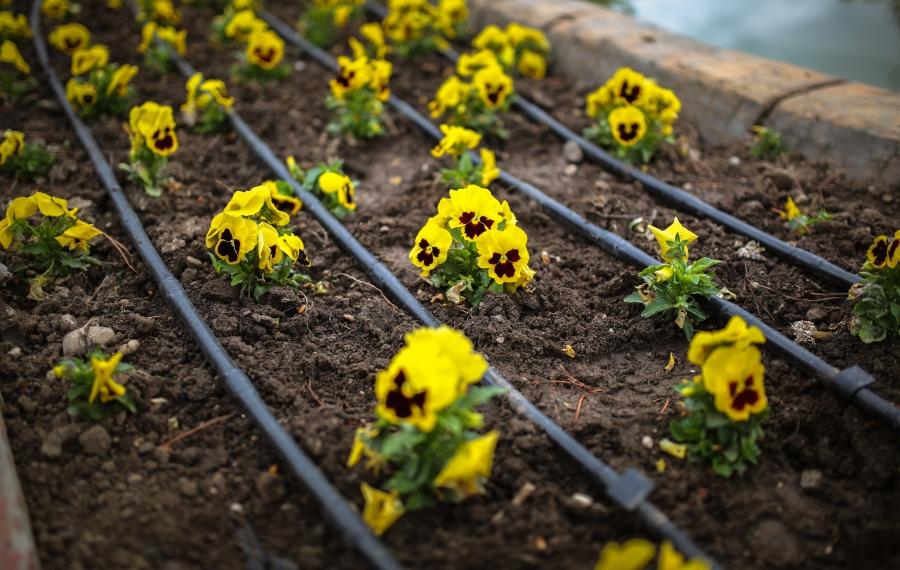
{"x":768,"y":144}
{"x":876,"y":299}
{"x":94,"y":394}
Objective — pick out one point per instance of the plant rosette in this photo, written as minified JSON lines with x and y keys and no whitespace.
{"x":152,"y":130}
{"x":876,"y":299}
{"x":725,"y":405}
{"x":522,"y":50}
{"x":95,"y":394}
{"x":797,"y":221}
{"x":426,"y":439}
{"x":417,"y":27}
{"x":322,"y":22}
{"x":371,"y":43}
{"x":158,"y":43}
{"x":15,"y":73}
{"x":671,"y":288}
{"x":237,"y":24}
{"x":249,"y":241}
{"x":633,"y":115}
{"x":262,"y":60}
{"x":637,"y":553}
{"x":104,"y":90}
{"x":329,"y":183}
{"x":357,"y":97}
{"x":55,"y":244}
{"x":476,"y":97}
{"x":206,"y":107}
{"x":23,"y":160}
{"x":473,"y":245}
{"x":457,"y":143}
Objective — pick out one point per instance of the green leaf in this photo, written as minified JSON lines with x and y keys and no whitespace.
{"x":722,"y":466}
{"x":658,"y":305}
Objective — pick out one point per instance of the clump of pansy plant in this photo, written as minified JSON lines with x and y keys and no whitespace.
{"x":456,"y":144}
{"x":23,"y":160}
{"x":357,"y":97}
{"x":671,"y":288}
{"x":151,"y":128}
{"x":723,"y":406}
{"x":323,"y":20}
{"x":15,"y":72}
{"x":632,"y":115}
{"x":473,"y":245}
{"x":237,"y":23}
{"x":797,"y":221}
{"x":162,"y":11}
{"x":14,"y":26}
{"x":95,"y":394}
{"x":48,"y":235}
{"x":519,"y":49}
{"x":476,"y":96}
{"x":876,"y":299}
{"x":415,"y":27}
{"x":637,"y":554}
{"x":251,"y":243}
{"x":59,"y":9}
{"x":371,"y":42}
{"x":329,"y":183}
{"x":97,"y":87}
{"x":767,"y":143}
{"x":427,"y":437}
{"x":205,"y":109}
{"x":159,"y":42}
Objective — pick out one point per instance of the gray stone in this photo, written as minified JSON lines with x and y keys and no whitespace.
{"x":572,"y":152}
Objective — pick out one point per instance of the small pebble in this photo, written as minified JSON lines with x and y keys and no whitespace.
{"x":348,"y":318}
{"x":811,"y":479}
{"x":582,"y":500}
{"x":129,"y":347}
{"x":191,"y":260}
{"x":15,"y":352}
{"x":236,"y":508}
{"x":570,"y":169}
{"x":572,"y":152}
{"x":734,"y":161}
{"x":647,"y":442}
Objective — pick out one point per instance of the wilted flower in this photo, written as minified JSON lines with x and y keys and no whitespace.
{"x":382,"y":509}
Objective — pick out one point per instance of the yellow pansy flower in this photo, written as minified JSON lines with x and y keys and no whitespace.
{"x":469,"y":63}
{"x":341,"y":15}
{"x":69,"y":38}
{"x":452,"y":12}
{"x":51,"y":206}
{"x":165,"y":11}
{"x":265,"y":49}
{"x":231,"y":237}
{"x":451,"y":93}
{"x":243,"y":25}
{"x":491,"y":38}
{"x":80,"y":95}
{"x":598,"y":101}
{"x":671,"y":559}
{"x":55,"y":9}
{"x":88,"y":58}
{"x":465,"y":472}
{"x":283,"y":201}
{"x":628,"y":125}
{"x":735,"y":333}
{"x":456,"y":141}
{"x":244,"y":5}
{"x":268,"y":247}
{"x":121,"y":78}
{"x":449,"y":343}
{"x":251,"y":203}
{"x":431,"y":247}
{"x":791,"y":210}
{"x":293,"y":247}
{"x":174,"y":37}
{"x":381,"y":71}
{"x":359,"y":449}
{"x":504,"y":254}
{"x":153,"y":125}
{"x":334,"y":183}
{"x":14,"y":25}
{"x":532,"y":64}
{"x":734,"y":375}
{"x":352,"y":74}
{"x":78,"y":236}
{"x":473,"y":210}
{"x":489,"y":170}
{"x":675,"y":229}
{"x":104,"y":385}
{"x":629,"y":87}
{"x":373,"y":33}
{"x":493,"y":85}
{"x":13,"y":144}
{"x":633,"y":555}
{"x":382,"y":509}
{"x":884,"y":251}
{"x":519,"y":35}
{"x":10,"y":54}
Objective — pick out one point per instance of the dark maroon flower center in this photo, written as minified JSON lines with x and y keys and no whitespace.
{"x":628,"y":132}
{"x":475,"y":225}
{"x":629,"y":92}
{"x":265,"y":54}
{"x":398,"y":402}
{"x":504,"y":264}
{"x":743,"y":396}
{"x":228,"y":247}
{"x":428,"y":252}
{"x":880,"y":252}
{"x":163,"y":140}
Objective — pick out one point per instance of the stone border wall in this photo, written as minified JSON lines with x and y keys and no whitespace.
{"x":849,"y":125}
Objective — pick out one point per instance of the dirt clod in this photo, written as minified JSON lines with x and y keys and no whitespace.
{"x":95,"y":441}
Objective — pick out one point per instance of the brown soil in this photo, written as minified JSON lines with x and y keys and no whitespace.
{"x":138,"y":506}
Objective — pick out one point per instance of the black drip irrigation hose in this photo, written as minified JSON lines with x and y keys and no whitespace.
{"x":628,"y":490}
{"x":851,"y":384}
{"x":239,"y":385}
{"x":678,"y":198}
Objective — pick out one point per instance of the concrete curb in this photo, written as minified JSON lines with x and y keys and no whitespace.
{"x":849,"y":125}
{"x":17,"y":550}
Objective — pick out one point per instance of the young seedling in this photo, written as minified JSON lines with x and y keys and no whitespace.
{"x":725,"y":405}
{"x":427,"y":434}
{"x":23,"y":160}
{"x":207,"y":104}
{"x":671,"y":288}
{"x":876,"y":299}
{"x":768,"y":144}
{"x":797,"y":221}
{"x":95,"y":394}
{"x":334,"y":188}
{"x":473,"y":245}
{"x":633,"y":116}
